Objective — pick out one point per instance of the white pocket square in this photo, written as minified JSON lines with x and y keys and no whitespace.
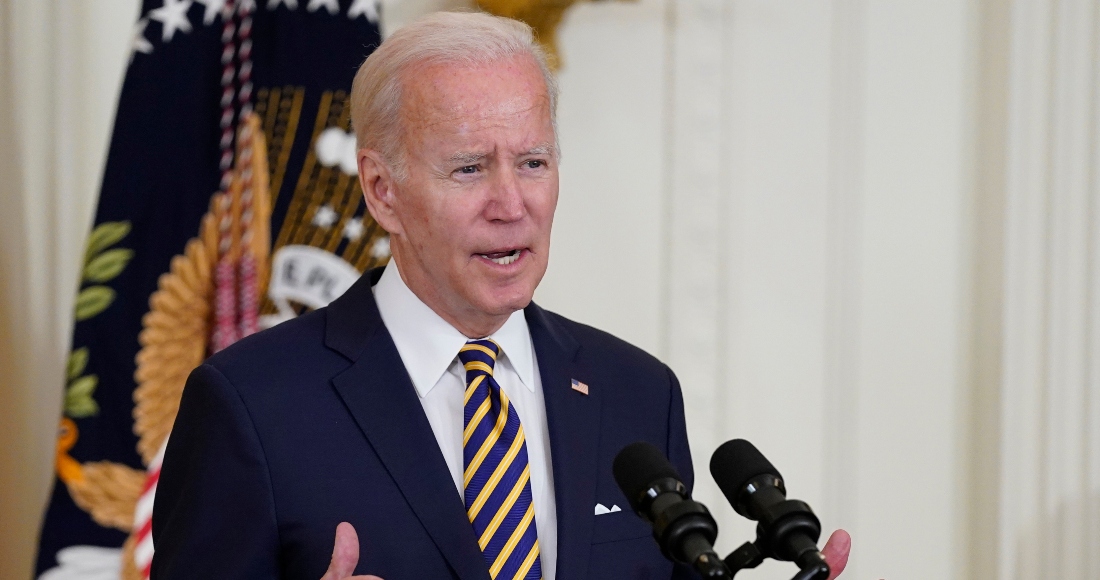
{"x":602,"y":509}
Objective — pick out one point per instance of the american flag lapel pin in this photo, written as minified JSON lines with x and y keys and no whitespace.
{"x":580,"y":387}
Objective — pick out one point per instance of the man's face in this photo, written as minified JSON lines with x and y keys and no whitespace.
{"x":477,"y":205}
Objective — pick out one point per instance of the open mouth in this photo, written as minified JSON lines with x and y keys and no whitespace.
{"x":503,"y":258}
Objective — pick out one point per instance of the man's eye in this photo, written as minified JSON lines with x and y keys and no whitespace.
{"x":534,"y":163}
{"x":468,"y":169}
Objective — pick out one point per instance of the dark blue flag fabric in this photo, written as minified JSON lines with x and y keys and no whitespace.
{"x":229,"y":203}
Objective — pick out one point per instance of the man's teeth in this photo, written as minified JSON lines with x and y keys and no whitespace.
{"x":504,"y":260}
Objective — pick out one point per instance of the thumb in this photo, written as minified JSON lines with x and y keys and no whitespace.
{"x":345,"y":553}
{"x":836,"y":552}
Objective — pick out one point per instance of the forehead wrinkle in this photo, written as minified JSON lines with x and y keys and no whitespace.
{"x":428,"y":116}
{"x":432,"y":112}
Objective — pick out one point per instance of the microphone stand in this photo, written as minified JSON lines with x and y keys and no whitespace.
{"x":750,"y":556}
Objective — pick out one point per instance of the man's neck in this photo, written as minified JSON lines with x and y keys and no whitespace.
{"x":471,"y":324}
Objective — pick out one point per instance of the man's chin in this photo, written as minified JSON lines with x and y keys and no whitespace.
{"x":507,"y":308}
{"x":505,"y":303}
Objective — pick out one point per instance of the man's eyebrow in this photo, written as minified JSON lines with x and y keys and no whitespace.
{"x":467,"y":157}
{"x":541,"y":149}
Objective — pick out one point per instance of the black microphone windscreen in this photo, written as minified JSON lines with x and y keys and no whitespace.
{"x":637,"y":466}
{"x":735,"y":463}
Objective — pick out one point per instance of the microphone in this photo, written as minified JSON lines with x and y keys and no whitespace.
{"x":786,"y":529}
{"x":683,"y":528}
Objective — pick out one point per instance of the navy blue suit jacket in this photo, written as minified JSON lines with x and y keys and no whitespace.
{"x":297,"y":428}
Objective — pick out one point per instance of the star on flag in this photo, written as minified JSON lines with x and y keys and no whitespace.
{"x":172,"y":17}
{"x":381,"y":248}
{"x":273,"y":4}
{"x":325,"y":217}
{"x":213,"y":9}
{"x":353,"y":230}
{"x":140,"y":43}
{"x":333,"y":6}
{"x":368,"y":8}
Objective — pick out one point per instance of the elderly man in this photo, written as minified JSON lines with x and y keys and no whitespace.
{"x":433,"y":417}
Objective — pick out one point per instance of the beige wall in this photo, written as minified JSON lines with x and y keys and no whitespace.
{"x":799,"y":205}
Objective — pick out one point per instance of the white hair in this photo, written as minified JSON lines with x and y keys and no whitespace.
{"x":465,"y":39}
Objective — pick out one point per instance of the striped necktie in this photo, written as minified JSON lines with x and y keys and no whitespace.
{"x":497,"y":478}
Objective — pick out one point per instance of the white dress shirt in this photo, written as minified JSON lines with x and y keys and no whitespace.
{"x":429,"y":347}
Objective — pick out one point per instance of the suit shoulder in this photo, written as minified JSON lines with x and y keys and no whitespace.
{"x":608,"y":347}
{"x":298,"y":333}
{"x":299,"y":342}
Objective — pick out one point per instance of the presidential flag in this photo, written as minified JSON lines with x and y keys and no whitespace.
{"x":229,"y":203}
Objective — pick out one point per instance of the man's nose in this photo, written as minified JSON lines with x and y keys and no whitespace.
{"x":506,"y":198}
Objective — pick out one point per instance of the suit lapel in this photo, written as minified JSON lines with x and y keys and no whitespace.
{"x":382,"y":400}
{"x":574,"y":424}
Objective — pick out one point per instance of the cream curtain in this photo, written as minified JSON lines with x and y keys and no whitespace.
{"x":61,"y":62}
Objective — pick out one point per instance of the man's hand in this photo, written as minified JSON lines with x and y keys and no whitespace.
{"x":835,"y":551}
{"x":345,"y":555}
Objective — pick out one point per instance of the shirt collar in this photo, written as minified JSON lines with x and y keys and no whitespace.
{"x":428,"y":344}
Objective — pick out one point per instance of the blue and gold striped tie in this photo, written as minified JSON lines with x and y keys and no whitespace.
{"x":497,"y":476}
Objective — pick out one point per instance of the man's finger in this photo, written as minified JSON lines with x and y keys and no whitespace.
{"x":345,"y":553}
{"x":836,"y":552}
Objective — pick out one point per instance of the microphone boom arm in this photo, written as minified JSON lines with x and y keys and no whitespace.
{"x":749,"y":556}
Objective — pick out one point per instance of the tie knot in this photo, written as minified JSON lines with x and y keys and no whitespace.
{"x":479,"y":355}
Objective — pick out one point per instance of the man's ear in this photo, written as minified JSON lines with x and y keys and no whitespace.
{"x":379,"y":190}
